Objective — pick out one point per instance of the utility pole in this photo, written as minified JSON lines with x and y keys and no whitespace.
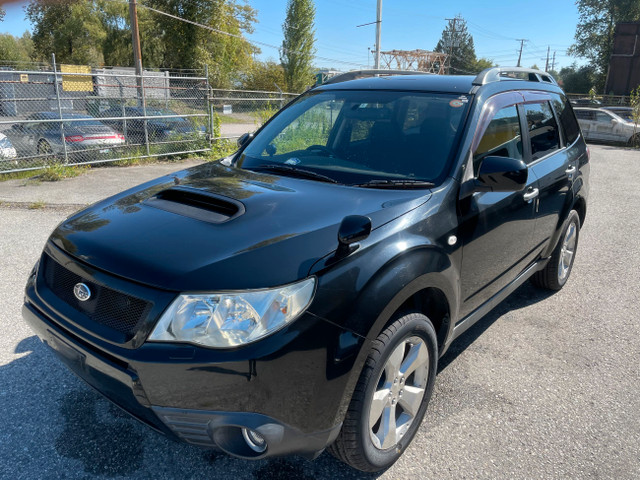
{"x":451,"y":40}
{"x":135,"y":36}
{"x":521,"y":40}
{"x":546,"y":66}
{"x":553,"y":63}
{"x":378,"y":33}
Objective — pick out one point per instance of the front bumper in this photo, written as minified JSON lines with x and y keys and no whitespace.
{"x":290,"y":387}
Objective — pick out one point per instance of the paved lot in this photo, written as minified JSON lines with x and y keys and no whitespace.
{"x":544,"y":387}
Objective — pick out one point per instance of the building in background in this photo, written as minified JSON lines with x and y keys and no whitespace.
{"x":624,"y":65}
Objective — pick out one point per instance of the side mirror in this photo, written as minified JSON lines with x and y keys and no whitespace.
{"x":353,"y":229}
{"x":502,"y":174}
{"x":244,"y":139}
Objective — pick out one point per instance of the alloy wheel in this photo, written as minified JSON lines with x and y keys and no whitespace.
{"x":399,"y":393}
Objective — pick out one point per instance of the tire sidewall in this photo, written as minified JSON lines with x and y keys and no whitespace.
{"x":417,"y":325}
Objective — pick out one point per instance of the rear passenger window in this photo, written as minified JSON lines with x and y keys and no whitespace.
{"x":502,"y":137}
{"x":543,"y":130}
{"x":567,"y":118}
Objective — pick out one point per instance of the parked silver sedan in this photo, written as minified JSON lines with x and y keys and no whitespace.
{"x":603,"y":125}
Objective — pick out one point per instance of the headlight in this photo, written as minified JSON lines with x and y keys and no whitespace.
{"x":224,"y":320}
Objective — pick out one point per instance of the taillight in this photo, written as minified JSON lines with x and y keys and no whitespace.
{"x":121,"y":137}
{"x":74,"y":138}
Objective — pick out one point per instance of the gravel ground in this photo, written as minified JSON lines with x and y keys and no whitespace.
{"x":546,"y":386}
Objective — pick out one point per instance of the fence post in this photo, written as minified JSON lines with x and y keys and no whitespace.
{"x":281,"y":95}
{"x":55,"y":81}
{"x":144,"y":108}
{"x":209,"y":106}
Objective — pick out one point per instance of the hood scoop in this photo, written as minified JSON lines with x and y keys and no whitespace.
{"x":197,"y":204}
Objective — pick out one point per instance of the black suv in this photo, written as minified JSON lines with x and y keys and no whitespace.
{"x":298,"y":294}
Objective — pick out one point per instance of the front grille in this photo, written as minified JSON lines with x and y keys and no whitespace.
{"x":111,"y":308}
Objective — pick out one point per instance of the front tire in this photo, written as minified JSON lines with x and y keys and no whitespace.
{"x":556,"y":273}
{"x":391,"y":397}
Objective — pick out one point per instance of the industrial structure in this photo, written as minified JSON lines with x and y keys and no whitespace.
{"x":624,"y":65}
{"x":418,"y":60}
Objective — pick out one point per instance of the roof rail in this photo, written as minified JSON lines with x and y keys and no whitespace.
{"x":353,"y":75}
{"x":497,"y":74}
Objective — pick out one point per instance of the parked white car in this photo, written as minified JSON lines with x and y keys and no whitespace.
{"x":603,"y":125}
{"x":6,"y":148}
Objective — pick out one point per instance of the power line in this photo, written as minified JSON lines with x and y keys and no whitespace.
{"x":222,"y":32}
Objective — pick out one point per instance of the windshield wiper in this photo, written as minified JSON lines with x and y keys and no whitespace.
{"x":395,"y":183}
{"x":297,"y":172}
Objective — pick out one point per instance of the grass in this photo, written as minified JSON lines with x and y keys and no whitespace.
{"x":53,"y":173}
{"x":40,"y":204}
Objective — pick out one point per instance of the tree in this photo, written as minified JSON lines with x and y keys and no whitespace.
{"x":457,"y":42}
{"x":191,"y":46}
{"x":576,"y":79}
{"x":15,"y":51}
{"x":72,"y":29}
{"x":298,"y":46}
{"x":596,"y":28}
{"x":482,"y":64}
{"x":117,"y":46}
{"x":264,"y":76}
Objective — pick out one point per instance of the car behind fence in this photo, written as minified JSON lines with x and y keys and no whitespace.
{"x":74,"y":115}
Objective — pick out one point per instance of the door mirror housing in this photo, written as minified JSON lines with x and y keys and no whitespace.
{"x":353,"y":229}
{"x":244,"y":139}
{"x":501,"y":174}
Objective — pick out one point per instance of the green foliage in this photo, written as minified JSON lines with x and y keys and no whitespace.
{"x":261,"y":116}
{"x":298,"y":48}
{"x":596,"y":28}
{"x":72,"y":29}
{"x":458,"y":42}
{"x":98,"y":32}
{"x":482,"y":64}
{"x":634,"y":101}
{"x":17,"y":51}
{"x":264,"y":76}
{"x":190,"y":46}
{"x":576,"y":79}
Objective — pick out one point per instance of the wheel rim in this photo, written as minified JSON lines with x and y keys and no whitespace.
{"x":567,"y":252}
{"x":399,"y":393}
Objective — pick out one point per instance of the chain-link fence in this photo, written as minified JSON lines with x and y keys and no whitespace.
{"x":76,"y":115}
{"x":241,"y":111}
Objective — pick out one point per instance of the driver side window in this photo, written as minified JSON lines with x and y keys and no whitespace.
{"x":502,"y":138}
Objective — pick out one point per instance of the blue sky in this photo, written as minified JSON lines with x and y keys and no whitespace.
{"x":407,"y":25}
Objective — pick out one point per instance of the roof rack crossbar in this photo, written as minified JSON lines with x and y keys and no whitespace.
{"x":497,"y":74}
{"x":344,"y":77}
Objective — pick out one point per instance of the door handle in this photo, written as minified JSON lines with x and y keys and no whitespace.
{"x":531,"y":194}
{"x":570,"y":170}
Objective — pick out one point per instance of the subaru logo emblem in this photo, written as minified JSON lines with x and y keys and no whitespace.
{"x":82,"y":292}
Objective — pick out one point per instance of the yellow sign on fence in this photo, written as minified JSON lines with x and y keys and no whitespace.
{"x":24,"y":77}
{"x":76,"y":83}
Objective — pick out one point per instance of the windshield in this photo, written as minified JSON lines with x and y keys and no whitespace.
{"x":359,"y":136}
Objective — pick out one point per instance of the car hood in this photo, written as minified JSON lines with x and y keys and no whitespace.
{"x":214,"y":227}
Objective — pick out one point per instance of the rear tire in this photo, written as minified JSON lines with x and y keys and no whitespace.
{"x":45,"y":150}
{"x":634,"y":141}
{"x":556,"y":273}
{"x":391,"y":397}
